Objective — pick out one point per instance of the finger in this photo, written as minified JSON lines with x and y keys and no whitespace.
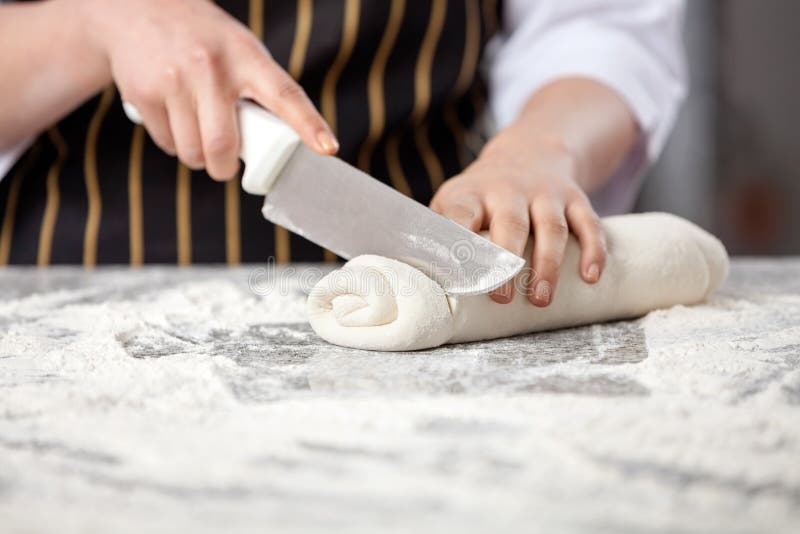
{"x":509,"y":227}
{"x":272,"y":87}
{"x":585,"y":224}
{"x":550,"y":240}
{"x":156,"y":122}
{"x":219,"y":130}
{"x":185,"y":130}
{"x":466,"y":210}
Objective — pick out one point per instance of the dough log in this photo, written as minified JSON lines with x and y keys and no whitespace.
{"x":655,"y":260}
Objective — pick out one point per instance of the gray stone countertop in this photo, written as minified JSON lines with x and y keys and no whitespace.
{"x":199,"y":400}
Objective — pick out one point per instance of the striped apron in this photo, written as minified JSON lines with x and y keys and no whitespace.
{"x":94,"y":189}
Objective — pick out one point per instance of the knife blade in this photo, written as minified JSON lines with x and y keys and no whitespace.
{"x":351,"y":213}
{"x":343,"y":209}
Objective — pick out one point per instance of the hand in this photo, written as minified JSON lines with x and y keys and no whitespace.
{"x":184,"y":64}
{"x":521,"y":184}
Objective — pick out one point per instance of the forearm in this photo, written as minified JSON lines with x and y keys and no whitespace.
{"x":584,"y":118}
{"x":49,"y":66}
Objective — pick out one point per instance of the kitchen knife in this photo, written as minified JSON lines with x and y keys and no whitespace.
{"x":337,"y":206}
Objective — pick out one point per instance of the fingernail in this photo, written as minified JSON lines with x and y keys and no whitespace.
{"x":327,"y":142}
{"x":542,"y":293}
{"x":503,"y":294}
{"x":593,"y":273}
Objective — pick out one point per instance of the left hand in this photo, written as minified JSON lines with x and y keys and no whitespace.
{"x":521,"y":185}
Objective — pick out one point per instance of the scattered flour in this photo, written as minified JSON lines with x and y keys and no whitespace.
{"x":162,"y":401}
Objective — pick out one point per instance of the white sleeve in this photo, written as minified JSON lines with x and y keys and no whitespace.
{"x":633,"y":46}
{"x":9,"y":157}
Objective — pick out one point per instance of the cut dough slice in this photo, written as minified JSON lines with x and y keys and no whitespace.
{"x":655,"y":260}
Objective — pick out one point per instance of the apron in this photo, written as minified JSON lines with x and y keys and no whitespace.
{"x":398,"y":82}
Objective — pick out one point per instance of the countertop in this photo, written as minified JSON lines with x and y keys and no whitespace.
{"x":199,"y":400}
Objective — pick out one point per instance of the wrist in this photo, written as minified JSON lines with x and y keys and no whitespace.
{"x":532,"y":147}
{"x":82,"y":41}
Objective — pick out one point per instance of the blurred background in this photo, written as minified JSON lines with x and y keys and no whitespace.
{"x":733,"y":162}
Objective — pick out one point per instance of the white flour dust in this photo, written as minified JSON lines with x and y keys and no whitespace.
{"x":163,"y":400}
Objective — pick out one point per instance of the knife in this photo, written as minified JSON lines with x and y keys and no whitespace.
{"x":350,"y":213}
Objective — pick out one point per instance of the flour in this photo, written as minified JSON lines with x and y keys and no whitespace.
{"x":164,"y":400}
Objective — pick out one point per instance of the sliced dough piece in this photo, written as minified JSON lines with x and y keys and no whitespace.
{"x":655,"y":260}
{"x":377,"y":303}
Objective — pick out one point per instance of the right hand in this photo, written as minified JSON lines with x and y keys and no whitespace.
{"x":184,"y":64}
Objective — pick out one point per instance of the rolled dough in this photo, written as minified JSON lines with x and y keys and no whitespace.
{"x":655,"y":260}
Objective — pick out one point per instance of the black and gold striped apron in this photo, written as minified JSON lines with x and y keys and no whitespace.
{"x":94,"y":188}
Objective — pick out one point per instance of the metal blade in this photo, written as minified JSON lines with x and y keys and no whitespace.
{"x":350,"y":213}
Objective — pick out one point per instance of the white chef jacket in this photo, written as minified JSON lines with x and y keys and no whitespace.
{"x":632,"y":46}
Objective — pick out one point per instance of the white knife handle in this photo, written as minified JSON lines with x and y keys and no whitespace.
{"x":267,"y":144}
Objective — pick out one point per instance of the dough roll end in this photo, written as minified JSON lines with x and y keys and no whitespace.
{"x":376,"y":303}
